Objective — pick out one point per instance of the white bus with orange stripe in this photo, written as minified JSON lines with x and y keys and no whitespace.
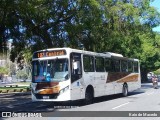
{"x":65,"y":74}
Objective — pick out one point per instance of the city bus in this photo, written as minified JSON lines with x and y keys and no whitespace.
{"x":66,"y":74}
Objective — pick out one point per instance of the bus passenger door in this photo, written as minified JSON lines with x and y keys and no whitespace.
{"x":76,"y":75}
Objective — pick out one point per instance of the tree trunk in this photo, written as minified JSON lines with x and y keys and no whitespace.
{"x":2,"y":30}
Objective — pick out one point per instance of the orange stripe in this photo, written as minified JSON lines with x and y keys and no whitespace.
{"x":55,"y":89}
{"x":46,"y":85}
{"x":131,"y":78}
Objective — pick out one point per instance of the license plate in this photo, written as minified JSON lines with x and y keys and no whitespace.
{"x":45,"y":97}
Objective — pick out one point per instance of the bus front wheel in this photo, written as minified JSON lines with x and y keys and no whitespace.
{"x":89,"y":96}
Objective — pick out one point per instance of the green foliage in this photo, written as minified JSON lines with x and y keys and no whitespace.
{"x":157,"y":72}
{"x":27,"y":54}
{"x":121,"y":26}
{"x":4,"y":70}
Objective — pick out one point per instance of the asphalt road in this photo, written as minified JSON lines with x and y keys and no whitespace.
{"x":141,"y":100}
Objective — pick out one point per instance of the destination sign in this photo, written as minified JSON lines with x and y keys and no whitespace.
{"x":49,"y":53}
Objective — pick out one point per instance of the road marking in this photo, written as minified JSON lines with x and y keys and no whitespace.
{"x":120,"y":105}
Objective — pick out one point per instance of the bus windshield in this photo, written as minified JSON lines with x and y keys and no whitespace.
{"x":50,"y":70}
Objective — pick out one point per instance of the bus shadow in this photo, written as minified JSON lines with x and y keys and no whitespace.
{"x":80,"y":103}
{"x":116,"y":96}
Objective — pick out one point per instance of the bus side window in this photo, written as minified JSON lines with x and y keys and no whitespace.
{"x":124,"y":66}
{"x":88,"y":63}
{"x":108,"y":65}
{"x":99,"y":63}
{"x":130,"y":66}
{"x":116,"y":65}
{"x":136,"y":67}
{"x":35,"y":68}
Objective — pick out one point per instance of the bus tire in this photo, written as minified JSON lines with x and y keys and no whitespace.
{"x":125,"y":90}
{"x":89,"y":96}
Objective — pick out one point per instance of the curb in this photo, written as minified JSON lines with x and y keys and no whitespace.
{"x":10,"y":86}
{"x":15,"y":90}
{"x":17,"y":93}
{"x":5,"y":91}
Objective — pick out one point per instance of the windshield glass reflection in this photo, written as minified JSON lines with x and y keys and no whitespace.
{"x":50,"y":70}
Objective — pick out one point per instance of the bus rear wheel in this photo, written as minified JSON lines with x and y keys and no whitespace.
{"x":125,"y":90}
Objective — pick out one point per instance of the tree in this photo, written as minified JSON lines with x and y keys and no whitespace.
{"x":5,"y":22}
{"x":121,"y":26}
{"x":41,"y":22}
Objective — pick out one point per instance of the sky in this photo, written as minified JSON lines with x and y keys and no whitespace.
{"x":156,"y":4}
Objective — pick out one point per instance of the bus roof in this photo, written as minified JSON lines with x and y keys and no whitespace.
{"x":105,"y":54}
{"x":114,"y":54}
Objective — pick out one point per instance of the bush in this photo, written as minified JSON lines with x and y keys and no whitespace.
{"x":4,"y":70}
{"x":22,"y":75}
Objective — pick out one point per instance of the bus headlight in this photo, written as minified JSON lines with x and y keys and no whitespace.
{"x":64,"y":89}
